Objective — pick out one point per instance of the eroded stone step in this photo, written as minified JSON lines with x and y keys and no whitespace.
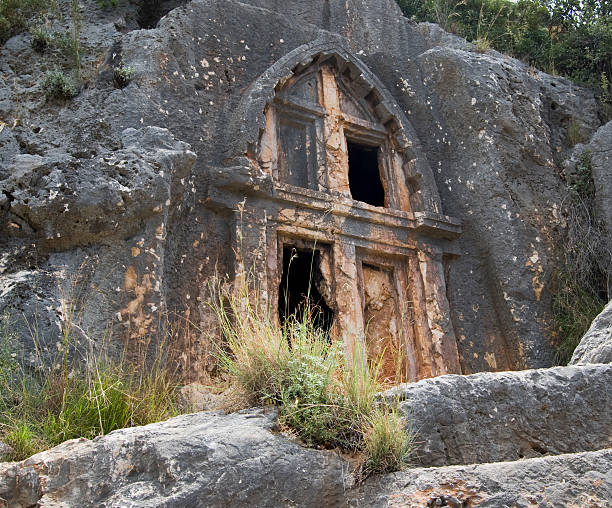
{"x":569,"y":480}
{"x":504,"y":416}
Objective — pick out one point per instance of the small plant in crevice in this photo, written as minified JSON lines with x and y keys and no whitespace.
{"x":387,"y":442}
{"x":122,"y":76}
{"x":482,"y":45}
{"x":322,"y":397}
{"x":56,"y":84}
{"x":103,"y":4}
{"x":41,"y":38}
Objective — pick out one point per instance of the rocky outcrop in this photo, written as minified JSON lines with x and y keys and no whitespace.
{"x":81,"y":211}
{"x":581,"y":479}
{"x":64,"y":202}
{"x":204,"y":459}
{"x":600,"y":147}
{"x":211,"y":459}
{"x":492,"y":417}
{"x":596,"y":345}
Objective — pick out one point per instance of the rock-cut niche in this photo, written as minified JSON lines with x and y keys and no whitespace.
{"x":351,"y":226}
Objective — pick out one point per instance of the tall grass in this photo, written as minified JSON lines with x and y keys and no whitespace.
{"x":40,"y":409}
{"x":323,"y":398}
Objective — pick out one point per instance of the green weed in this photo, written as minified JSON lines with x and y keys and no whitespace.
{"x":122,"y":76}
{"x":323,"y":397}
{"x":73,"y":399}
{"x":387,"y":442}
{"x":56,"y":84}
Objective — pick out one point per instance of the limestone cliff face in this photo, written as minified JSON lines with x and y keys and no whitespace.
{"x":136,"y":192}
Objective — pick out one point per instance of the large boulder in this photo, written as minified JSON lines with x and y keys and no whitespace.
{"x":596,"y":345}
{"x":504,"y":416}
{"x":203,"y":459}
{"x":581,"y":479}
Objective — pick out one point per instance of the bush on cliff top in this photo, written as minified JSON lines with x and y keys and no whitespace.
{"x":568,"y":37}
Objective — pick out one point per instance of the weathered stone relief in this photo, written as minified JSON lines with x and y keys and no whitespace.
{"x":341,"y":183}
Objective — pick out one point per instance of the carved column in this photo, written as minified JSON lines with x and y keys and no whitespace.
{"x":437,"y":311}
{"x":349,"y":313}
{"x":335,"y":144}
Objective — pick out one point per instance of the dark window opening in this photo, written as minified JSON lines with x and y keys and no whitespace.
{"x":298,"y":289}
{"x":364,"y":175}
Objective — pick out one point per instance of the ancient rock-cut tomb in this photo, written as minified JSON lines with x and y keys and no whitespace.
{"x":341,"y":207}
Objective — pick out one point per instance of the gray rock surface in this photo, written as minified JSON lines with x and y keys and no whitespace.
{"x":211,"y":459}
{"x":572,"y":480}
{"x":596,"y":345}
{"x":64,"y":202}
{"x":601,"y":164}
{"x":504,"y":416}
{"x":81,"y":213}
{"x":203,"y":459}
{"x":5,"y":450}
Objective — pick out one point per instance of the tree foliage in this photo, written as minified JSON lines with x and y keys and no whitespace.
{"x":567,"y":37}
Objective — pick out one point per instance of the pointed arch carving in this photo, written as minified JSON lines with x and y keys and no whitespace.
{"x":367,"y":107}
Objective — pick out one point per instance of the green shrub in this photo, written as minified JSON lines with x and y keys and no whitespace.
{"x":325,"y":399}
{"x":56,"y":84}
{"x":122,"y":76}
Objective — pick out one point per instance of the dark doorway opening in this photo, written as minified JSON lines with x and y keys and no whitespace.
{"x":299,"y":288}
{"x":364,"y":174}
